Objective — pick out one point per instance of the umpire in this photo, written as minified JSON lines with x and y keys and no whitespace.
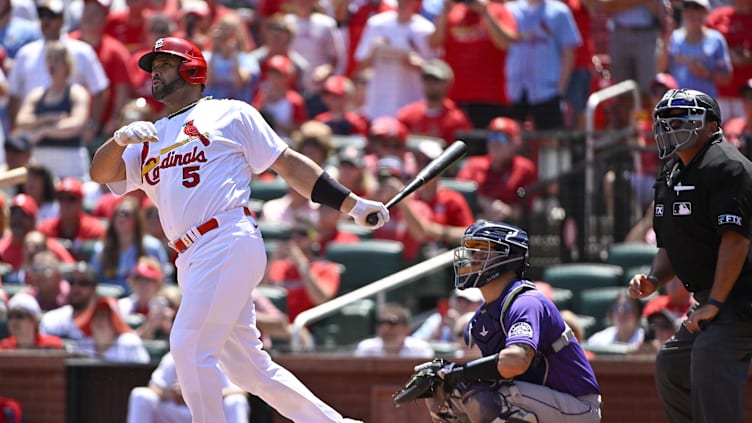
{"x":703,"y":210}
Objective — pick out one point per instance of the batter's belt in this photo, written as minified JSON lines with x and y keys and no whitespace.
{"x":193,"y":234}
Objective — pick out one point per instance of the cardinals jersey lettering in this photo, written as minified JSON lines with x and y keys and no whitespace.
{"x":192,"y":152}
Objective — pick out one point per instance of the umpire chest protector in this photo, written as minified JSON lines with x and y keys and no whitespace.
{"x":695,"y":204}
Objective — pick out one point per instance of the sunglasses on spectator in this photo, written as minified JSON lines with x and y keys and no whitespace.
{"x":391,"y":321}
{"x":81,"y":282}
{"x":18,"y":315}
{"x":17,"y":212}
{"x":498,"y":137}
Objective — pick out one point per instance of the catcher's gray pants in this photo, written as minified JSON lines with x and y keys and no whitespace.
{"x":521,"y":402}
{"x":701,"y":377}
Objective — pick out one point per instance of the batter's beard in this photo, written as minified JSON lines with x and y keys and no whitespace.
{"x":166,"y":88}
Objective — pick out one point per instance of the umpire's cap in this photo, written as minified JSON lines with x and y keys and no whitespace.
{"x":193,"y":66}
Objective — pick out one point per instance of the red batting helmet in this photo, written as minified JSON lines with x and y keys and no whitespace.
{"x":193,"y":66}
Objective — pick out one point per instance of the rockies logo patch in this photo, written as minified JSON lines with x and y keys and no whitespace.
{"x":521,"y":329}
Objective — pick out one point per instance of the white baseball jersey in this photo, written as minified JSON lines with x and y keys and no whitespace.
{"x":217,"y":142}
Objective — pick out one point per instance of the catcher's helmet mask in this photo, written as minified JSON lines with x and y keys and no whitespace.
{"x":679,"y":117}
{"x":488,"y":250}
{"x":192,"y":66}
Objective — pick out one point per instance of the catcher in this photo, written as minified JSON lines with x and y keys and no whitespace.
{"x":532,"y":370}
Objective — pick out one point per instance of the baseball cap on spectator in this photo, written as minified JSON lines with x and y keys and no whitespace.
{"x":503,"y":129}
{"x":338,"y":85}
{"x":661,"y":83}
{"x":70,"y":186}
{"x":50,"y":8}
{"x":26,"y":203}
{"x":148,"y":268}
{"x":281,"y":64}
{"x":437,"y":69}
{"x":25,"y":303}
{"x":351,"y":155}
{"x":702,"y":3}
{"x":390,"y":166}
{"x":196,"y":7}
{"x":388,"y":127}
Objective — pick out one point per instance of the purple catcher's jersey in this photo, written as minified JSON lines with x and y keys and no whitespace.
{"x":533,"y":319}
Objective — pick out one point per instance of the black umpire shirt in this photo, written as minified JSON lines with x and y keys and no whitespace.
{"x":695,"y":204}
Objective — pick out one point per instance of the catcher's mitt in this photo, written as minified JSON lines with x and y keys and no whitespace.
{"x":423,"y":383}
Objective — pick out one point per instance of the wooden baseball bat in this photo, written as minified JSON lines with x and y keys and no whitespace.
{"x":438,"y":165}
{"x":13,"y":176}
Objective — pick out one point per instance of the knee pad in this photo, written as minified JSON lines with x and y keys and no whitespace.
{"x":485,"y":403}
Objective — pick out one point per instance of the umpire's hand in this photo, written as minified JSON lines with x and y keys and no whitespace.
{"x":641,"y":286}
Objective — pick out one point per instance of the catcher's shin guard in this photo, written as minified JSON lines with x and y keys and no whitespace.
{"x":485,"y":403}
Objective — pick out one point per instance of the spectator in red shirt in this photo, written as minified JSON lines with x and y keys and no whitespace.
{"x":309,"y":281}
{"x":24,"y":315}
{"x":733,"y":22}
{"x":409,"y":218}
{"x":282,"y":106}
{"x":352,"y":173}
{"x":737,"y":130}
{"x":337,"y":95}
{"x":278,"y":35}
{"x":387,"y":136}
{"x":129,"y":25}
{"x":328,"y":231}
{"x":500,"y":172}
{"x":23,"y":219}
{"x":578,"y":89}
{"x":474,"y":36}
{"x":435,"y":115}
{"x":354,"y":15}
{"x":114,"y":57}
{"x":451,"y":213}
{"x":72,"y":223}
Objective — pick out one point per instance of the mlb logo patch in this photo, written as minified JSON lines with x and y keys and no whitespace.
{"x":729,"y":219}
{"x":682,"y":208}
{"x":659,"y":210}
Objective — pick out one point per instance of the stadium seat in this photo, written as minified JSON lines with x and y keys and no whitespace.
{"x":85,"y":250}
{"x":580,"y":276}
{"x":562,"y":298}
{"x":274,"y":231}
{"x":263,"y":189}
{"x":468,"y":189}
{"x":276,"y":294}
{"x":633,"y":257}
{"x":352,"y":324}
{"x":12,"y":288}
{"x":365,"y":261}
{"x":349,"y":226}
{"x":596,"y":301}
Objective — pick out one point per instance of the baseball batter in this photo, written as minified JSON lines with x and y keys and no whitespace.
{"x":196,"y":165}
